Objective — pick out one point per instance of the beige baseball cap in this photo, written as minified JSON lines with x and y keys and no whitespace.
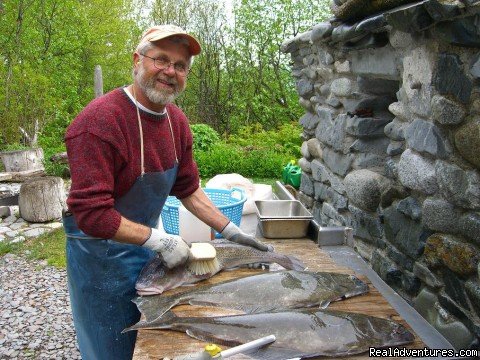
{"x":159,"y":32}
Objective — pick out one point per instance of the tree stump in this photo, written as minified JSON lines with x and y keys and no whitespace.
{"x":22,"y":160}
{"x":42,"y":199}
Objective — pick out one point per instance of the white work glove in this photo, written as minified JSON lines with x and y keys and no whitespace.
{"x":233,"y":233}
{"x":171,"y":248}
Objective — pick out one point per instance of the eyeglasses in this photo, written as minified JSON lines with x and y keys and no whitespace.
{"x":162,"y":63}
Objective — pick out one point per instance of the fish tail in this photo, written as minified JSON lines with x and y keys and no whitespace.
{"x":290,"y":262}
{"x":164,"y":323}
{"x":139,"y":325}
{"x":155,"y":306}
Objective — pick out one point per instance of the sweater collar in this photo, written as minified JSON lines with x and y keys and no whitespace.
{"x":143,"y":108}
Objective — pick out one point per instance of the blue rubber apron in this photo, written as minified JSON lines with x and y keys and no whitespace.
{"x":102,"y":272}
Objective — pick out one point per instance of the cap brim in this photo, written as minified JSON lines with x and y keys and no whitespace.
{"x":193,"y":45}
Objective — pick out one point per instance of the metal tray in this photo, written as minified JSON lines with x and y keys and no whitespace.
{"x":283,"y":228}
{"x":281,"y":209}
{"x":282,"y":219}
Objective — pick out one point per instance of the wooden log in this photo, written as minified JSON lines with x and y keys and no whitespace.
{"x":5,"y":177}
{"x":22,"y":160}
{"x":20,"y":176}
{"x":42,"y":199}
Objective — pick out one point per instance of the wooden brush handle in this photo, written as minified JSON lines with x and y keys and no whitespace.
{"x":202,"y":251}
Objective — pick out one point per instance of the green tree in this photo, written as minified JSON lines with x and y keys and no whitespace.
{"x":203,"y":101}
{"x":48,"y":50}
{"x":241,"y":77}
{"x":259,"y":75}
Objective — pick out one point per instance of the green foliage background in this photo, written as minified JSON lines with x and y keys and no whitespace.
{"x":48,"y":50}
{"x":240,"y":85}
{"x":204,"y":137}
{"x":253,"y":152}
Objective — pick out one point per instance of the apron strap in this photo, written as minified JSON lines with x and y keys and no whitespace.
{"x":171,"y":133}
{"x":142,"y":155}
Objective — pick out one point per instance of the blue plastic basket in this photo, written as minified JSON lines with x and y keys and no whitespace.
{"x":229,"y":202}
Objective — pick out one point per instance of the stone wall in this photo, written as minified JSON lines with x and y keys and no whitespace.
{"x":392,"y":149}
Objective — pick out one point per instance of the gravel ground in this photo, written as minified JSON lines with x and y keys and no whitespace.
{"x":35,"y":314}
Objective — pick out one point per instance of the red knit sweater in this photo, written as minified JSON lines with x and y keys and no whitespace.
{"x":103,"y":146}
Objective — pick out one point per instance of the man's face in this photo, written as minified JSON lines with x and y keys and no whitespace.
{"x":162,"y":86}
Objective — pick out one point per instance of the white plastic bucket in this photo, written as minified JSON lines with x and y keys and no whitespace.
{"x":191,"y":228}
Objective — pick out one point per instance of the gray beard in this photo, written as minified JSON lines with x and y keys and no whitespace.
{"x":156,"y":96}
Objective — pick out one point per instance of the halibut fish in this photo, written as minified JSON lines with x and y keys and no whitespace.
{"x":299,"y":333}
{"x":260,"y":293}
{"x":155,"y":277}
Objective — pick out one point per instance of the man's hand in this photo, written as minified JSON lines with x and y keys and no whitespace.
{"x":233,"y":233}
{"x":171,"y":248}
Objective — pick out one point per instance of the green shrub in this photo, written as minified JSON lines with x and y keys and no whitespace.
{"x":263,"y":163}
{"x":253,"y":152}
{"x":225,"y":158}
{"x":285,"y":139}
{"x":51,"y":139}
{"x":220,"y":159}
{"x":55,"y":169}
{"x":204,"y":137}
{"x":14,"y":147}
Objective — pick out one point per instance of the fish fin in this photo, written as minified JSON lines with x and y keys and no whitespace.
{"x":196,"y":334}
{"x":155,"y":306}
{"x":138,"y":325}
{"x":169,"y":317}
{"x":164,"y":323}
{"x":290,"y":262}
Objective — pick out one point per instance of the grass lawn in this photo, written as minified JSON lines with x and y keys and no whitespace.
{"x":51,"y":246}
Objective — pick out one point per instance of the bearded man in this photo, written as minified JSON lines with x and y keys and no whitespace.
{"x":128,"y":150}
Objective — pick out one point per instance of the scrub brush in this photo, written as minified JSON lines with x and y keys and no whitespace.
{"x":203,"y":259}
